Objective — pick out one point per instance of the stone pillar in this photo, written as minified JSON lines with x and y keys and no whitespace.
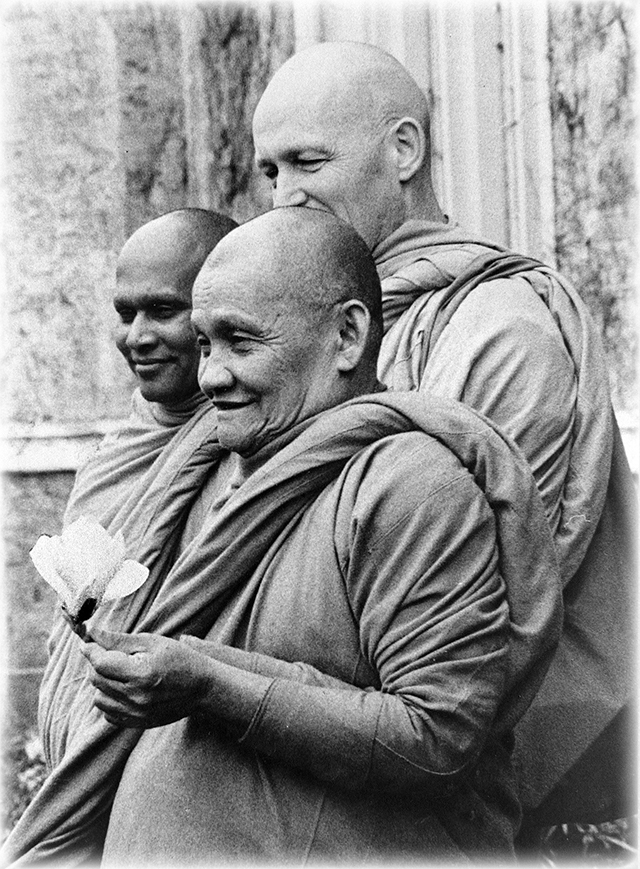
{"x":229,"y":53}
{"x":63,"y":219}
{"x":150,"y":110}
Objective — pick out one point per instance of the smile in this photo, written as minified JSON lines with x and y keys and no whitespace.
{"x":229,"y":406}
{"x":148,"y":366}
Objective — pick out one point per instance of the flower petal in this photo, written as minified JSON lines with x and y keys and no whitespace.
{"x":43,"y":557}
{"x":127,"y":580}
{"x":89,"y":552}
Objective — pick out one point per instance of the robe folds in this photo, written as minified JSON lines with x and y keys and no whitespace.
{"x":467,"y":319}
{"x":104,"y":482}
{"x":199,"y":595}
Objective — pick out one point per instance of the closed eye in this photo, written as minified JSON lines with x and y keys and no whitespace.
{"x":311,"y":164}
{"x":162,"y":312}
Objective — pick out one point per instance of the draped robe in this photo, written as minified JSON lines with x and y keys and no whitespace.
{"x":67,"y":819}
{"x":467,"y":319}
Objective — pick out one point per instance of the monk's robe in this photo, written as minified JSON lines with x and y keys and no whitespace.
{"x":106,"y":479}
{"x":467,"y":319}
{"x":394,"y":674}
{"x":108,"y":485}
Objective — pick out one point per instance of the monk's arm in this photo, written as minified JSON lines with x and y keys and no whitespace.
{"x":422,"y":578}
{"x":419,"y":564}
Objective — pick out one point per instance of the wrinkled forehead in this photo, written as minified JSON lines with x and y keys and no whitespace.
{"x":236,"y":275}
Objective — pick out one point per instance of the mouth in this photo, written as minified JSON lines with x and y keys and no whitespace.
{"x":148,"y":366}
{"x":229,"y":406}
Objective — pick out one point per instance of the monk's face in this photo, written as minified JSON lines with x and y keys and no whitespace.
{"x":263,"y":364}
{"x":325,"y":149}
{"x":154,"y":334}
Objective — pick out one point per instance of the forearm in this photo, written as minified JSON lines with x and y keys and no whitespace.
{"x":355,"y":739}
{"x":265,"y":665}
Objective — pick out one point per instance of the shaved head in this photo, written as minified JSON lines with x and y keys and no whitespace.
{"x":178,"y":242}
{"x":154,"y":279}
{"x":360,"y":79}
{"x":305,"y":259}
{"x":344,"y":128}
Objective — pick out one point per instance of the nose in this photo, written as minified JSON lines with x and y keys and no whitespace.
{"x":288,"y":191}
{"x":214,"y":376}
{"x":139,"y":333}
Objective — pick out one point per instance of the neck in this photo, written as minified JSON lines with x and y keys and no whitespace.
{"x":421,"y":202}
{"x":178,"y":410}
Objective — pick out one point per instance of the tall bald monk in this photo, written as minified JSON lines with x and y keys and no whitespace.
{"x":344,"y":128}
{"x":369,"y":605}
{"x":170,"y":431}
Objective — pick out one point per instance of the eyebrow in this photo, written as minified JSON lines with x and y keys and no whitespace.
{"x":289,"y":154}
{"x":224,"y":321}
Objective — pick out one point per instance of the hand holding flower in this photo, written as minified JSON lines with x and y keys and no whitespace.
{"x":85,"y":566}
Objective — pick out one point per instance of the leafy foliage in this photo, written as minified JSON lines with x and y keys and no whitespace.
{"x":24,"y":771}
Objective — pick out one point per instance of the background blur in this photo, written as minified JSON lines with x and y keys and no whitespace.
{"x":114,"y":114}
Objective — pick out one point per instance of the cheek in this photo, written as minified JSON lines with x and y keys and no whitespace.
{"x":180,"y":336}
{"x":120,"y":338}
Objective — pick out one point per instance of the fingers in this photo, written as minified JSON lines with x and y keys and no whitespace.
{"x":115,"y":713}
{"x":112,"y":665}
{"x":127,"y":643}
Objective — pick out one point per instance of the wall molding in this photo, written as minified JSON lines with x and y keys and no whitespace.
{"x":49,"y":449}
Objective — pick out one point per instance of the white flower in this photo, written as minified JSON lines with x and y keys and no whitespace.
{"x":85,"y":566}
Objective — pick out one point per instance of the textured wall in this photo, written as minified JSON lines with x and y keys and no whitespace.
{"x":37,"y":503}
{"x":593,"y":76}
{"x":63,"y":219}
{"x":115,"y":115}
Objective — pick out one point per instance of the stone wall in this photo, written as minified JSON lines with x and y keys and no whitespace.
{"x":594,"y":147}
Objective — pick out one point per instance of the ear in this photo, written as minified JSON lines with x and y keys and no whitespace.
{"x":354,"y":321}
{"x":410,"y":147}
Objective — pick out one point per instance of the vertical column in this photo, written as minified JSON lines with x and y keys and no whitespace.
{"x":63,"y":219}
{"x":151,"y":110}
{"x":64,"y":186}
{"x":527,"y":129}
{"x":229,"y":53}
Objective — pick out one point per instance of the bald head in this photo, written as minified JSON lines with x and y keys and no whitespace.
{"x":305,"y":259}
{"x":178,"y":242}
{"x":154,"y":279}
{"x":288,"y":316}
{"x":359,"y":78}
{"x":353,"y":109}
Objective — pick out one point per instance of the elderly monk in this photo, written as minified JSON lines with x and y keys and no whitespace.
{"x":369,"y":606}
{"x":342,"y":127}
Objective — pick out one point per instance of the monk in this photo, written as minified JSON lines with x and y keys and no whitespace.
{"x":154,"y":277}
{"x":332,"y":668}
{"x":170,"y":418}
{"x":343,"y":128}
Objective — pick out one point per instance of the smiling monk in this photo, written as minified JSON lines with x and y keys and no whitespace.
{"x":154,"y":278}
{"x":370,"y":604}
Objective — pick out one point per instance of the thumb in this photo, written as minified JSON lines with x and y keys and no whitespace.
{"x":115,"y":641}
